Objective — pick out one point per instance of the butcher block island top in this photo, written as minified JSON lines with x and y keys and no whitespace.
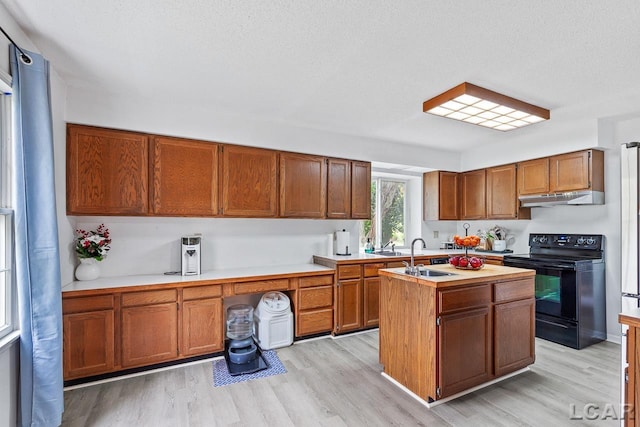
{"x":444,"y":336}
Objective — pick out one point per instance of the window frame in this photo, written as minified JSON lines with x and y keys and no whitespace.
{"x":378,"y":227}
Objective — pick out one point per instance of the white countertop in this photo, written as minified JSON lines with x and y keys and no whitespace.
{"x":225,"y":274}
{"x":406,"y":253}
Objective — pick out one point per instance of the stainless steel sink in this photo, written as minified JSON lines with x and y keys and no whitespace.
{"x":389,"y":253}
{"x":434,"y":273}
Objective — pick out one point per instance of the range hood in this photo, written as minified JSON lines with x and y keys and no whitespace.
{"x":585,"y":197}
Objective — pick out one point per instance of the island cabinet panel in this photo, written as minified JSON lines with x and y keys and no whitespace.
{"x":338,"y":188}
{"x":465,"y":343}
{"x":88,"y":336}
{"x":533,"y":177}
{"x":149,"y":327}
{"x":473,"y":195}
{"x":303,"y":186}
{"x":107,"y":172}
{"x":185,"y":177}
{"x":360,"y":190}
{"x":249,"y":182}
{"x":441,"y":195}
{"x":514,"y":335}
{"x":502,"y":194}
{"x":349,"y":305}
{"x":583,"y":170}
{"x":202,"y":329}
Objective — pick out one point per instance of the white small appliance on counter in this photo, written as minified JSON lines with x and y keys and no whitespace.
{"x":342,"y":242}
{"x":190,"y":255}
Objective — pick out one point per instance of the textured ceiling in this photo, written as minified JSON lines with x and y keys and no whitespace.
{"x":360,"y":67}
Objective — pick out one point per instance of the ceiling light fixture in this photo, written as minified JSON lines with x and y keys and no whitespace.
{"x":479,"y":106}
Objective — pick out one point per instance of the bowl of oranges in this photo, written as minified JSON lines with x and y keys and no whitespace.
{"x":466,"y":241}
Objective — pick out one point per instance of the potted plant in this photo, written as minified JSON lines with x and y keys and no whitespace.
{"x":91,"y":246}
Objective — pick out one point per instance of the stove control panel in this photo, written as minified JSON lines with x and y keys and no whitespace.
{"x":573,"y":241}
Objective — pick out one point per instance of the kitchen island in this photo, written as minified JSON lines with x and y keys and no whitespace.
{"x":443,"y":336}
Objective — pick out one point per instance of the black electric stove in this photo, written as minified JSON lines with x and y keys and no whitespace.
{"x":569,"y":286}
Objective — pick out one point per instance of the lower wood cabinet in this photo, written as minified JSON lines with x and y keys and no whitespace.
{"x":314,"y":299}
{"x":88,"y":336}
{"x":514,"y":349}
{"x":202,"y":320}
{"x":371,"y":302}
{"x":349,"y":305}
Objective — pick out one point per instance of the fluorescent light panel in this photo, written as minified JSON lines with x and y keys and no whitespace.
{"x":476,"y":105}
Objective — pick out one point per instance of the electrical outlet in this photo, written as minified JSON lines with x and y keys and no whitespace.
{"x":436,"y":234}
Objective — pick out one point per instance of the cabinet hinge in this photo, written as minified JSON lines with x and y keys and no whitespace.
{"x":437,"y":391}
{"x":626,"y":378}
{"x":178,"y":305}
{"x":589,"y":153}
{"x":438,"y":320}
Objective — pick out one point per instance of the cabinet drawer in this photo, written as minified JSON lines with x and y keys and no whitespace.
{"x":82,"y":304}
{"x":371,"y":270}
{"x":321,"y":296}
{"x":509,"y":291}
{"x":349,"y":272}
{"x":394,"y":264}
{"x":313,"y":322}
{"x":198,"y":292}
{"x":148,"y":297}
{"x":306,"y":282}
{"x":459,"y":298}
{"x":261,"y":286}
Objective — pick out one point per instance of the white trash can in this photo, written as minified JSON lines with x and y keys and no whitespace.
{"x":273,"y":321}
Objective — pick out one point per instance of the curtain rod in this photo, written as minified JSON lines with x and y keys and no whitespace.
{"x":23,"y":55}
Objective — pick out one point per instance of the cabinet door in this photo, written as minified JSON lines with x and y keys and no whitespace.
{"x":303,"y":185}
{"x":502,"y":200}
{"x":569,"y":172}
{"x":360,"y":190}
{"x":440,"y":196}
{"x":202,"y":327}
{"x":107,"y":172}
{"x":473,"y":195}
{"x":349,"y":305}
{"x":249,"y":182}
{"x":149,"y":334}
{"x":88,"y":343}
{"x":371,"y":304}
{"x":185,"y":177}
{"x":339,"y":188}
{"x":464,"y":342}
{"x":514,"y":335}
{"x":533,"y":177}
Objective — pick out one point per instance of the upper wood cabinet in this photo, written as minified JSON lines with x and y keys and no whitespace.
{"x":107,"y":172}
{"x":583,"y":170}
{"x":473,"y":195}
{"x":249,"y":181}
{"x":339,"y":188}
{"x":185,"y":177}
{"x":360,"y":190}
{"x":533,"y":177}
{"x":303,"y":186}
{"x":502,"y":197}
{"x":441,"y":195}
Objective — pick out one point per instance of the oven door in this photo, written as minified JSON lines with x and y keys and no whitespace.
{"x":555,"y":288}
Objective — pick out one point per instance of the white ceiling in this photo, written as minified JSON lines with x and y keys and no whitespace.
{"x":359,"y":67}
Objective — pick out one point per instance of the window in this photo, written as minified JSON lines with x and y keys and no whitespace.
{"x":388,"y":213}
{"x":7,"y":278}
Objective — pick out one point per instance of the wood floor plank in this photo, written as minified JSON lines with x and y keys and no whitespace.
{"x":337,"y":382}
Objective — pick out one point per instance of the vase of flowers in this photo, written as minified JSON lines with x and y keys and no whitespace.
{"x":91,"y":246}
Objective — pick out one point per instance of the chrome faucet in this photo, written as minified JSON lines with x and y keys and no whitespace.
{"x":412,"y":269}
{"x":390,"y":242}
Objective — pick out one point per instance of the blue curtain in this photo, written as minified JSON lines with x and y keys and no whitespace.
{"x":37,"y":258}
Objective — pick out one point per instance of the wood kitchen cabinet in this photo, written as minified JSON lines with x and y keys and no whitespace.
{"x":533,"y":177}
{"x":249,"y":182}
{"x":582,"y":170}
{"x":349,"y":305}
{"x":184,"y":177}
{"x":440,"y":195}
{"x":303,"y":186}
{"x":149,"y":327}
{"x":107,"y":171}
{"x":202,"y":320}
{"x":473,"y":190}
{"x":88,"y":335}
{"x":338,"y":188}
{"x":360,"y":190}
{"x":502,"y":196}
{"x":314,"y":300}
{"x":631,"y":367}
{"x":371,"y":298}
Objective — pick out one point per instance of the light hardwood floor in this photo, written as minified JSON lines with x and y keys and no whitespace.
{"x":338,"y":383}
